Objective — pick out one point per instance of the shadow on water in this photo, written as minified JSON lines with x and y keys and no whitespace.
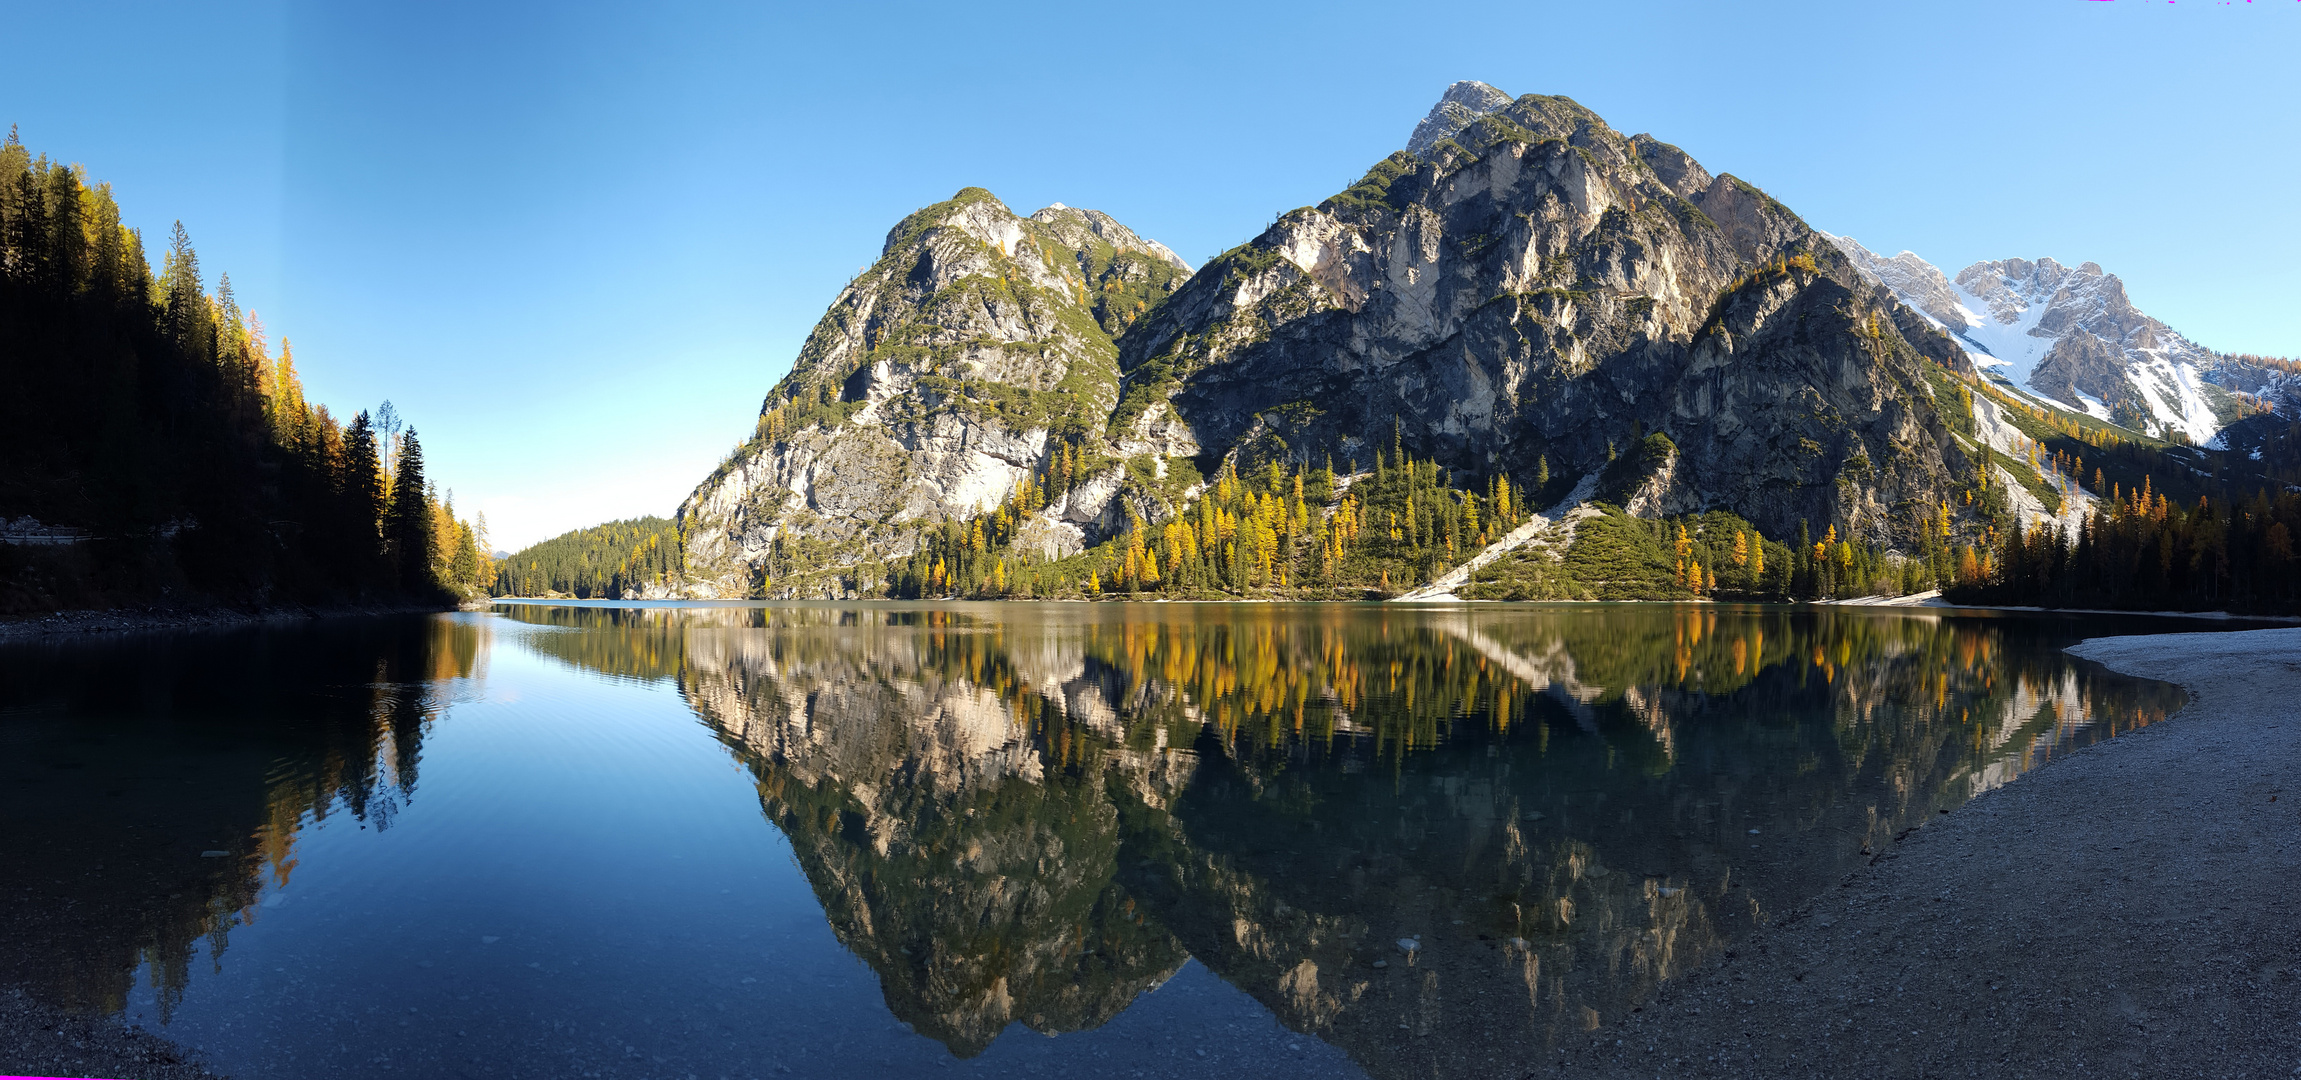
{"x":1419,"y":834}
{"x":152,"y":786}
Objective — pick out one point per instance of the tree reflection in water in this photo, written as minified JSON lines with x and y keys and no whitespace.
{"x":1460,"y":826}
{"x":128,"y":762}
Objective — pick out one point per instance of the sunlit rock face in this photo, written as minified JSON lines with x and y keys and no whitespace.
{"x":1461,"y":105}
{"x":977,"y":348}
{"x":1534,"y":284}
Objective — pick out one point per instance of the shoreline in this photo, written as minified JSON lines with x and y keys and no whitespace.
{"x":42,"y":1039}
{"x":1922,"y":602}
{"x":216,"y":617}
{"x":2124,"y":908}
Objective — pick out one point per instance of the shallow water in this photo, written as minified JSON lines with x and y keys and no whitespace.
{"x":868,"y":840}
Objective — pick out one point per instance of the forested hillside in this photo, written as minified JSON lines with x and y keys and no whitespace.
{"x":618,"y":560}
{"x":155,"y":447}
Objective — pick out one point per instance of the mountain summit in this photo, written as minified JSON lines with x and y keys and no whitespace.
{"x":1463,"y":104}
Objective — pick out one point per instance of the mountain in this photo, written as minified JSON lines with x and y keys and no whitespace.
{"x":1539,"y":288}
{"x":1525,"y":303}
{"x":977,"y":351}
{"x":2072,"y":337}
{"x":1463,"y":103}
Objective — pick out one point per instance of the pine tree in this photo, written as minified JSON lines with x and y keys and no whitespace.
{"x":387,"y":425}
{"x":1801,"y":564}
{"x":187,"y":305}
{"x":408,"y":528}
{"x":363,"y":505}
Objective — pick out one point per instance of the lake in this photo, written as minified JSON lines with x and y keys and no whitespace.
{"x":832,"y":840}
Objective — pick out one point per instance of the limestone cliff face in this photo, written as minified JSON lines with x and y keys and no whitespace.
{"x":1536,"y":285}
{"x":940,"y":378}
{"x":1916,"y":281}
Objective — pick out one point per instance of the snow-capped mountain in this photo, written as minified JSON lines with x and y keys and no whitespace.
{"x":2068,"y":335}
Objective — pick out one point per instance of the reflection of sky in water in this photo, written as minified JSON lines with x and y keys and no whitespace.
{"x":1424,"y":838}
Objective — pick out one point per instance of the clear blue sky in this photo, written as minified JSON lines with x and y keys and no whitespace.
{"x":576,"y":243}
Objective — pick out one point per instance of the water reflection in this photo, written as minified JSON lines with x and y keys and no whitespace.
{"x":1419,"y":834}
{"x":152,"y":787}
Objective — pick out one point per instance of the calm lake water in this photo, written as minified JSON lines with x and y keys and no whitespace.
{"x":880,"y":839}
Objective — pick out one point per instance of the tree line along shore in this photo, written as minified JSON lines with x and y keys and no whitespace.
{"x":160,"y":449}
{"x":1309,"y":534}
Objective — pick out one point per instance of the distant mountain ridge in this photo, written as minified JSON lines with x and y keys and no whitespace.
{"x":2072,"y":336}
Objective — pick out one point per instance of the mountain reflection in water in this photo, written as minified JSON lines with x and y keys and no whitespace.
{"x":1485,"y":825}
{"x":1440,"y":840}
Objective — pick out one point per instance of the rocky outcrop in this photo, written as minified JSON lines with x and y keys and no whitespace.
{"x":941,"y":378}
{"x":1917,"y":282}
{"x":1463,"y":103}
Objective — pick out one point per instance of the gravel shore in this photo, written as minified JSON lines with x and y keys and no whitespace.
{"x":36,"y":1040}
{"x":2130,"y":910}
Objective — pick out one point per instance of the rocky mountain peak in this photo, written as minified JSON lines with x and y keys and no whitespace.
{"x":1674,"y":167}
{"x":1462,"y":103}
{"x":1525,"y":295}
{"x":972,"y":211}
{"x":939,"y":380}
{"x":2069,"y":335}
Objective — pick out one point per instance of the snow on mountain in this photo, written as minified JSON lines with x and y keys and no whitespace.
{"x":2066,"y":335}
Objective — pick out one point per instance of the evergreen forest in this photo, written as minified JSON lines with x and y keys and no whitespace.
{"x":615,"y":561}
{"x":158,"y":448}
